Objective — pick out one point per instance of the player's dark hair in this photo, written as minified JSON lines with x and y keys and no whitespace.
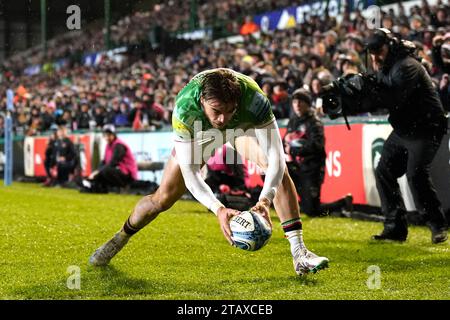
{"x":221,"y":85}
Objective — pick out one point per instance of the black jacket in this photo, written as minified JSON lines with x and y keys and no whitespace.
{"x":305,"y":142}
{"x":65,"y":148}
{"x":50,"y":151}
{"x":407,"y":91}
{"x":47,"y":121}
{"x":83,"y":119}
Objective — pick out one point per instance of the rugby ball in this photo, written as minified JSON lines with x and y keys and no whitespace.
{"x":250,"y":231}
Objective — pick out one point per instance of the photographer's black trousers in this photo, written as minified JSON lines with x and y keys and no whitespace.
{"x":412,"y":156}
{"x":111,"y":177}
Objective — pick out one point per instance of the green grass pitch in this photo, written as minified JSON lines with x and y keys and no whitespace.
{"x":183,"y":255}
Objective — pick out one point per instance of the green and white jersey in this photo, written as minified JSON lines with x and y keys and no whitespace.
{"x":196,"y":139}
{"x":254,"y":109}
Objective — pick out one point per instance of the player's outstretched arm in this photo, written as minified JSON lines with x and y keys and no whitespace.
{"x":194,"y":182}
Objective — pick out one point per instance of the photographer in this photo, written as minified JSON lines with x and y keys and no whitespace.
{"x":118,"y":169}
{"x":400,"y":84}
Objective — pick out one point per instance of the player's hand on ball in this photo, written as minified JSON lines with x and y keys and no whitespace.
{"x":224,"y":215}
{"x":263,"y":208}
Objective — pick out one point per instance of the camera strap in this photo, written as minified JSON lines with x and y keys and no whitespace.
{"x":344,"y":114}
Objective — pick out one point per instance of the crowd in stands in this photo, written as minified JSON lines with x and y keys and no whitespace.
{"x":173,"y":15}
{"x":141,"y":94}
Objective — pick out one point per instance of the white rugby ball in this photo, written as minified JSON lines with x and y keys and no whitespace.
{"x":250,"y":231}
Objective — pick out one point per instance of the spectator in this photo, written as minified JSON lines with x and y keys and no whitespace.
{"x":83,"y":118}
{"x":444,"y":92}
{"x":331,"y":41}
{"x":66,"y":120}
{"x":48,"y":118}
{"x":249,"y":26}
{"x":99,"y":116}
{"x":21,"y":120}
{"x":440,"y":19}
{"x":316,"y":87}
{"x":112,"y":110}
{"x":441,"y":53}
{"x":280,"y":98}
{"x":387,"y":22}
{"x":121,"y":117}
{"x":139,"y":116}
{"x":355,"y":43}
{"x":349,"y":66}
{"x":34,"y":123}
{"x":157,"y":110}
{"x":305,"y":149}
{"x":416,"y":28}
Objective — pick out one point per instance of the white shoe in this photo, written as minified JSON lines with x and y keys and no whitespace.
{"x":86,"y":184}
{"x":106,"y":252}
{"x":306,"y":261}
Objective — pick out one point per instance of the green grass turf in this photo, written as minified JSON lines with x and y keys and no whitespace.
{"x":183,"y":255}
